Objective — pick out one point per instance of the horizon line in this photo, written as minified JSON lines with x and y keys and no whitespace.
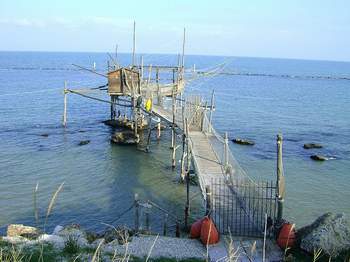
{"x":210,"y":55}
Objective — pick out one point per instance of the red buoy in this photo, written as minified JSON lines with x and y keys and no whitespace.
{"x":196,"y":229}
{"x":286,"y":237}
{"x":209,"y":233}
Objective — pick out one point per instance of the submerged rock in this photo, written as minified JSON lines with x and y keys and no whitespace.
{"x":330,"y":232}
{"x":125,"y":138}
{"x":84,"y":142}
{"x":318,"y":158}
{"x":312,"y":145}
{"x":19,"y":230}
{"x":243,"y":142}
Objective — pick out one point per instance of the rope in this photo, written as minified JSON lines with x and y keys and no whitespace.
{"x":123,"y":213}
{"x":163,"y":210}
{"x":97,"y":99}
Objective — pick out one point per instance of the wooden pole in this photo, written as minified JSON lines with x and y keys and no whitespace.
{"x":187,"y":172}
{"x":158,"y":129}
{"x":226,"y":150}
{"x":64,"y":122}
{"x":280,"y":180}
{"x":182,"y":175}
{"x":177,"y":233}
{"x":165,"y":225}
{"x":134,"y":45}
{"x":137,"y":212}
{"x":208,"y":201}
{"x":211,"y":111}
{"x":183,"y":49}
{"x":204,"y":112}
{"x":158,"y":88}
{"x":141,"y":67}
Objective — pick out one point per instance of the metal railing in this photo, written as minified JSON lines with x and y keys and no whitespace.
{"x":243,"y":214}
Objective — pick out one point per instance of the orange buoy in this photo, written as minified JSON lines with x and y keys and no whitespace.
{"x":209,"y":233}
{"x":196,"y":228}
{"x":286,"y":237}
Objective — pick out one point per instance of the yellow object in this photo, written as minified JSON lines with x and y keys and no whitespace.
{"x":149,"y":104}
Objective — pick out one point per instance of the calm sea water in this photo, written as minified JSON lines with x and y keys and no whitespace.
{"x":307,"y":101}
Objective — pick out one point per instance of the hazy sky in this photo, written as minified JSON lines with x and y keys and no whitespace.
{"x":308,"y":29}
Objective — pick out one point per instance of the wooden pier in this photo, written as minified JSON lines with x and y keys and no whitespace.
{"x":147,"y":94}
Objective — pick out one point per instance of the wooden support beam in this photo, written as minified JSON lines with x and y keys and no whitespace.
{"x":158,"y":129}
{"x":65,"y":92}
{"x":137,"y":212}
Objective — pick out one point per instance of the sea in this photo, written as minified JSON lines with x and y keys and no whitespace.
{"x":256,"y":99}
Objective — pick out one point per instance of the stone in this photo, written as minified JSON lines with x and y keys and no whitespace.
{"x":19,"y":230}
{"x":125,"y":138}
{"x":57,"y":229}
{"x":318,"y":158}
{"x":74,"y":231}
{"x":84,"y":142}
{"x":330,"y":232}
{"x":243,"y":142}
{"x":312,"y":145}
{"x":57,"y":241}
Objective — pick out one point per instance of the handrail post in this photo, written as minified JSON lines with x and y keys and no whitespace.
{"x":211,"y":111}
{"x":226,"y":150}
{"x":208,"y":201}
{"x":280,"y":185}
{"x":187,"y":173}
{"x":137,"y":212}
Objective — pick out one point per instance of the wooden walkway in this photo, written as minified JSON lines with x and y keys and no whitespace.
{"x":206,"y":163}
{"x":234,"y":197}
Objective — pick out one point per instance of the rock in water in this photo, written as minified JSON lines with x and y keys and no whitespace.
{"x":312,"y":145}
{"x":125,"y":138}
{"x":318,"y":158}
{"x":84,"y":142}
{"x":243,"y":142}
{"x":19,"y":230}
{"x":329,"y":232}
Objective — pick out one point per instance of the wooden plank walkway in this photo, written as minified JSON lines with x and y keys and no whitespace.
{"x":207,"y":165}
{"x":208,"y":168}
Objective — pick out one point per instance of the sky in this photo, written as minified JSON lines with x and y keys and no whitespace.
{"x":304,"y":29}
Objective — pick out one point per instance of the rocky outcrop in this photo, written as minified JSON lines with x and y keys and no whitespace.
{"x":318,"y":158}
{"x":125,"y":138}
{"x":19,"y":230}
{"x":330,"y":232}
{"x":84,"y":142}
{"x":243,"y":142}
{"x":312,"y":145}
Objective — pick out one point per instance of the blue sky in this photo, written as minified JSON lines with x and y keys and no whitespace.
{"x":306,"y":29}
